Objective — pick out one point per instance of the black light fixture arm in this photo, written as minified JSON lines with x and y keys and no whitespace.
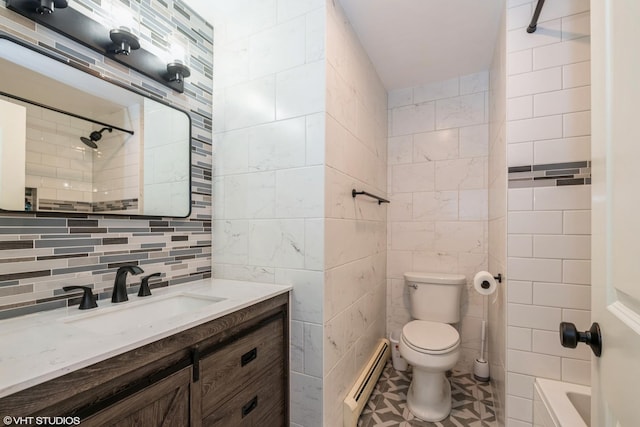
{"x":57,"y":110}
{"x":355,"y":193}
{"x":534,"y":20}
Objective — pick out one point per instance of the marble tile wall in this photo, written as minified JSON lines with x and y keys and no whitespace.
{"x":548,"y":246}
{"x":497,"y":253}
{"x":437,"y":175}
{"x":40,"y":253}
{"x":269,"y":149}
{"x":355,"y":229}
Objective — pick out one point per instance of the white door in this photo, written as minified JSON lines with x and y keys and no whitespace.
{"x":615,"y":38}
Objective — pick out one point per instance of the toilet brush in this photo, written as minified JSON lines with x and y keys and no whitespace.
{"x":481,"y":366}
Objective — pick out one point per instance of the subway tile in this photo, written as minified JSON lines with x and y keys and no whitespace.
{"x":562,"y":247}
{"x":576,"y":371}
{"x":534,"y":82}
{"x":548,"y":342}
{"x":519,"y":16}
{"x":520,"y":385}
{"x":520,"y":108}
{"x":562,"y":101}
{"x":576,"y":26}
{"x":520,"y":154}
{"x":547,"y":33}
{"x":519,"y":338}
{"x":544,"y":270}
{"x":562,"y":150}
{"x":581,"y":318}
{"x":520,"y":245}
{"x":531,"y":316}
{"x":534,"y":364}
{"x":563,"y":53}
{"x":520,"y":199}
{"x":576,"y":75}
{"x":576,"y":272}
{"x":577,"y":222}
{"x":519,"y":62}
{"x":535,"y":222}
{"x":510,"y":422}
{"x":562,"y":9}
{"x":538,"y":128}
{"x":562,"y":198}
{"x":519,"y":408}
{"x":520,"y":292}
{"x":576,"y":124}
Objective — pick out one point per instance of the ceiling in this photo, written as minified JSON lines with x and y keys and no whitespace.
{"x":413,"y":42}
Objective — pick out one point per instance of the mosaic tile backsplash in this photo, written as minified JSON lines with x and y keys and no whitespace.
{"x":550,"y":175}
{"x":41,"y":252}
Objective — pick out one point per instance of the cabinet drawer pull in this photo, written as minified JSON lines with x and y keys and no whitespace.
{"x":250,"y":406}
{"x":248,"y":356}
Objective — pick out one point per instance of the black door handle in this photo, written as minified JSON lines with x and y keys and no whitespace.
{"x":570,"y":337}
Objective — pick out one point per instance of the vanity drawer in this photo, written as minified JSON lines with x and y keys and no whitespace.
{"x":232,"y":367}
{"x":259,"y":404}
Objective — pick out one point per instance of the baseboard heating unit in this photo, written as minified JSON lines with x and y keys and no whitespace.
{"x":359,"y":395}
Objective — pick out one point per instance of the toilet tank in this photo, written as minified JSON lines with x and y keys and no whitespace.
{"x":435,"y":296}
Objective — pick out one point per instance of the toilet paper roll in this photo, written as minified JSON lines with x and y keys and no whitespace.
{"x":484,"y":283}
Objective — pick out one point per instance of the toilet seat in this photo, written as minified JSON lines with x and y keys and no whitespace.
{"x":430,"y":337}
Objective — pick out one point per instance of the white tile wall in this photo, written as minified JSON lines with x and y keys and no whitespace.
{"x":548,"y":245}
{"x":269,"y":141}
{"x":355,"y":229}
{"x":438,"y":178}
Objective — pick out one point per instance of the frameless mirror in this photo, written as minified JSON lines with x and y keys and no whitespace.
{"x":73,"y":142}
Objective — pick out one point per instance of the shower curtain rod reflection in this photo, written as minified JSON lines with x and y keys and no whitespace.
{"x":37,"y":104}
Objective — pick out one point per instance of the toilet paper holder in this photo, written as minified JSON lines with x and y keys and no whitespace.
{"x":486,"y":285}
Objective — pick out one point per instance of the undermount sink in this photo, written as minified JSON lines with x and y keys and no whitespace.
{"x":136,"y":314}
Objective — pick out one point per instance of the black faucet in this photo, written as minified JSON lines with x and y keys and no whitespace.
{"x":120,"y":285}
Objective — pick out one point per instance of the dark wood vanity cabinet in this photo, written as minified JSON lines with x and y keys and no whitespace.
{"x":232,"y":371}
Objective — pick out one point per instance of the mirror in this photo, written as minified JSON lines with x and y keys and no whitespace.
{"x":74,"y":142}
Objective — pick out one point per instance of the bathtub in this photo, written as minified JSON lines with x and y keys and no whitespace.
{"x":558,"y":404}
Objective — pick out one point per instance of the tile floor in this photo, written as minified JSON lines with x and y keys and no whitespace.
{"x":472,"y":402}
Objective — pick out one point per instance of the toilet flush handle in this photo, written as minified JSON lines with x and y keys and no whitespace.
{"x":413,"y":285}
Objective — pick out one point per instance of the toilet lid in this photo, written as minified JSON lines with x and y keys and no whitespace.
{"x":427,"y":337}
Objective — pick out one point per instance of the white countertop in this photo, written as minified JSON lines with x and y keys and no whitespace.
{"x":39,"y":347}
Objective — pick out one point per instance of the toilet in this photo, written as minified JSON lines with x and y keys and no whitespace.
{"x":429,"y":343}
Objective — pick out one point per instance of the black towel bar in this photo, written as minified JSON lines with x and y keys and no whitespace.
{"x":354,"y":193}
{"x":536,"y":14}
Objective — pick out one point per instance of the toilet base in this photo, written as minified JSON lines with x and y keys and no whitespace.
{"x":429,"y":395}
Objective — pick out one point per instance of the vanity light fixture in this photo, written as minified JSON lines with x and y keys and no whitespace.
{"x":49,"y":6}
{"x":177,"y":71}
{"x":124,"y":40}
{"x":115,"y":40}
